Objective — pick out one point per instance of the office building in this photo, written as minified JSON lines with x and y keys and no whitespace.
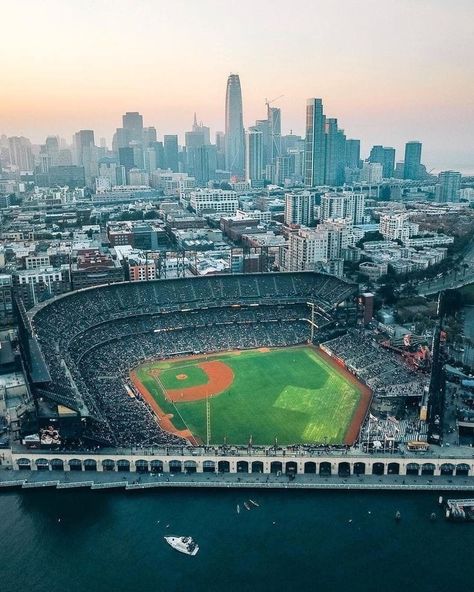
{"x":132,"y":122}
{"x":213,"y":200}
{"x":412,"y":166}
{"x":170,"y":145}
{"x":448,"y":187}
{"x":352,"y":153}
{"x":335,"y":153}
{"x":254,"y":170}
{"x":385,"y":157}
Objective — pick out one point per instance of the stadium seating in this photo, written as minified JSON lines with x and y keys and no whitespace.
{"x":90,"y":339}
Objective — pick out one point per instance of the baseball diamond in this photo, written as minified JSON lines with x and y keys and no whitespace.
{"x":292,"y":395}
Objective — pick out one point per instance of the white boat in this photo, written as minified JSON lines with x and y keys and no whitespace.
{"x":182,"y":544}
{"x":247,"y":507}
{"x":254,"y":503}
{"x":238,"y":509}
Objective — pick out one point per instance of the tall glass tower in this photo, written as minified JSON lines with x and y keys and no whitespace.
{"x":234,"y":128}
{"x":315,"y":147}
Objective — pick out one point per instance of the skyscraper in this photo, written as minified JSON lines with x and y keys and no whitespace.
{"x":254,"y":170}
{"x":274,"y":120}
{"x":353,"y":154}
{"x":21,"y":154}
{"x":412,"y":160}
{"x":133,"y":122}
{"x":385,"y":157}
{"x":170,"y":144}
{"x":315,"y":149}
{"x":335,"y":153}
{"x":234,"y":127}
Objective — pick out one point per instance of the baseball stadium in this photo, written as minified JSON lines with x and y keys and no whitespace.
{"x":231,"y":359}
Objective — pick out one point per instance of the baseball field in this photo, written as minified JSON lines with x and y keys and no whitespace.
{"x":297,"y":395}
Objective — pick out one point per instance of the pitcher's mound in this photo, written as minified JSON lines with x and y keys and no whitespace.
{"x":181,"y":376}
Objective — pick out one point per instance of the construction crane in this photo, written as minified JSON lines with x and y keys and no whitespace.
{"x":269,"y":102}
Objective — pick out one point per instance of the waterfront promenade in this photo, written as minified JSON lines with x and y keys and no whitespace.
{"x":133,"y":481}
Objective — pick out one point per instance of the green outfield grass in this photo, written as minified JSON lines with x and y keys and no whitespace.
{"x":293,"y":394}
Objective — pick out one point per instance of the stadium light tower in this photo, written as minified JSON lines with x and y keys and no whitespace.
{"x":311,"y":322}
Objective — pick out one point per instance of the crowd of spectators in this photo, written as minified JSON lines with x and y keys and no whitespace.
{"x":382,"y":370}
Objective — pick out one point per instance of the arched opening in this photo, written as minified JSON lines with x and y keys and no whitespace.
{"x":378,"y":468}
{"x":291,"y":467}
{"x":276,"y":467}
{"x":242,"y":466}
{"x":156,"y":466}
{"x":462,"y":470}
{"x":175,"y":466}
{"x":75,"y":464}
{"x":413,"y":469}
{"x":427,"y":469}
{"x":123,"y":465}
{"x":209,"y":466}
{"x":57,"y":464}
{"x":359,"y":468}
{"x":393,"y":468}
{"x":344,"y":469}
{"x":257,"y":466}
{"x":141,"y":466}
{"x":108,"y":464}
{"x":90,"y":464}
{"x":325,"y":469}
{"x":190,"y":466}
{"x":24,"y":464}
{"x":42,"y":464}
{"x":223,"y":466}
{"x":310,"y":467}
{"x":447,"y":469}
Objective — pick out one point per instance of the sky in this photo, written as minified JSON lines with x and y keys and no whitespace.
{"x":390,"y":70}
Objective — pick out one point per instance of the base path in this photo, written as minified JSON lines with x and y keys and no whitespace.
{"x":220,"y":379}
{"x":164,"y":419}
{"x":365,"y":400}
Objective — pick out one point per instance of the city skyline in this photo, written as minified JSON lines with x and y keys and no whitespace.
{"x":47,"y":91}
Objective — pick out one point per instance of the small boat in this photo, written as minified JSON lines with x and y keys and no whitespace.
{"x":440,"y":500}
{"x":247,"y":507}
{"x":238,"y":509}
{"x":432,"y":517}
{"x":398,"y":515}
{"x":254,"y":503}
{"x":183,"y":544}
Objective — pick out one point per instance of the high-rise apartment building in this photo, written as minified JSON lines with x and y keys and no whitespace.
{"x":315,"y":149}
{"x":299,"y":208}
{"x":21,"y":155}
{"x":345,"y":205}
{"x":412,"y":165}
{"x":234,"y":128}
{"x":448,"y":187}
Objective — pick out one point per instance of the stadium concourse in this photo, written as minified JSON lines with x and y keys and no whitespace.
{"x":78,"y":348}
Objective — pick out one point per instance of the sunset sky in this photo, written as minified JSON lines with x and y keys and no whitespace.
{"x":389,"y":70}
